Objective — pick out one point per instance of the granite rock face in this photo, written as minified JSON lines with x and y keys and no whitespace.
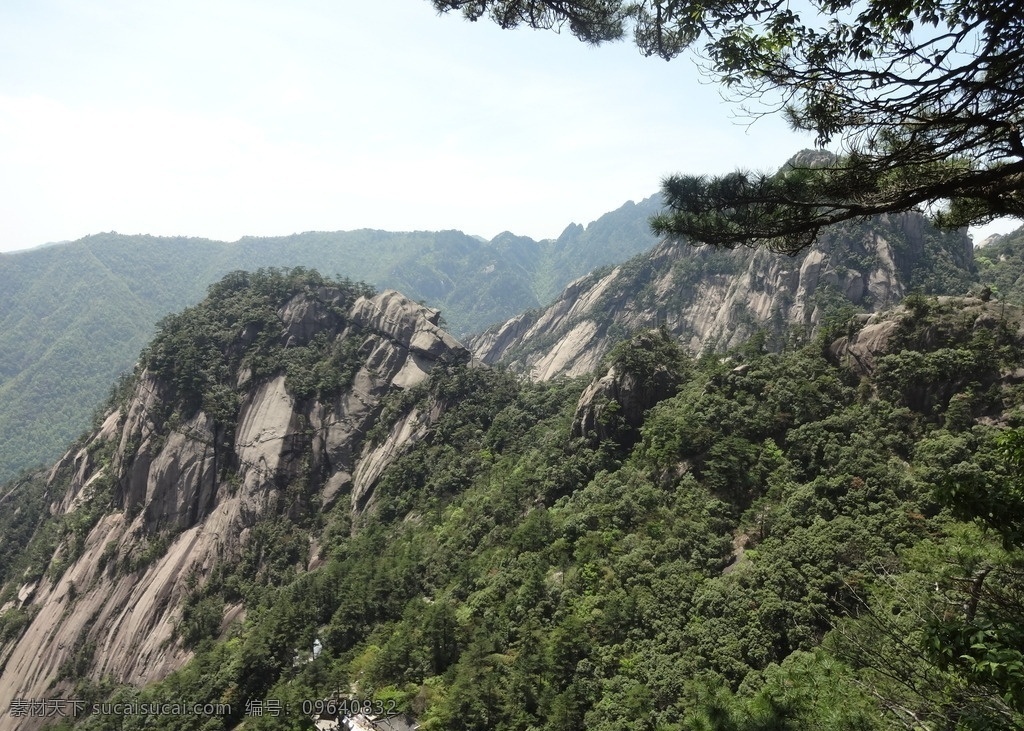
{"x":197,"y":487}
{"x":712,"y":299}
{"x":860,"y":350}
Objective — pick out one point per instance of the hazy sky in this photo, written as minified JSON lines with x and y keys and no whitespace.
{"x":225,"y":118}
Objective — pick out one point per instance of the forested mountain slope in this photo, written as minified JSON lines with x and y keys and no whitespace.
{"x":827,"y":537}
{"x":1001,"y":266}
{"x":74,"y":316}
{"x":711,"y":298}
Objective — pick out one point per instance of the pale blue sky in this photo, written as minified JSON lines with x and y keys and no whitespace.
{"x":225,"y":118}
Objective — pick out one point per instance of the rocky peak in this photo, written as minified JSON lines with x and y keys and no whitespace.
{"x":412,"y":326}
{"x":870,"y":337}
{"x":811,"y":158}
{"x":308,"y":313}
{"x":962,"y":348}
{"x":172,"y":489}
{"x":923,"y":324}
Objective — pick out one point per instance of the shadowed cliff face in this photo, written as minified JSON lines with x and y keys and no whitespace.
{"x":716,"y":299}
{"x":180,"y":494}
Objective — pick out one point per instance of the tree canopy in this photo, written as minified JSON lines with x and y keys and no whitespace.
{"x":922,"y":97}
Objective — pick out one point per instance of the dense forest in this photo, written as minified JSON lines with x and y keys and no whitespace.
{"x":780,"y":543}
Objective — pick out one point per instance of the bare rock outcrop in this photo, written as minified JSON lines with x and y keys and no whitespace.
{"x":609,"y":404}
{"x":951,"y":320}
{"x":712,"y":299}
{"x":310,"y":313}
{"x":860,"y":350}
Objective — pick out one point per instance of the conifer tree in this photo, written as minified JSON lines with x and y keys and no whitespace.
{"x":922,"y":99}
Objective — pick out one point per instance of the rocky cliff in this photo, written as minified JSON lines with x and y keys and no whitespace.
{"x":715,"y":299}
{"x":642,"y":371}
{"x":143,"y":509}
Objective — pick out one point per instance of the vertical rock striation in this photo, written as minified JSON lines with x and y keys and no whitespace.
{"x":183,"y":492}
{"x":713,"y":299}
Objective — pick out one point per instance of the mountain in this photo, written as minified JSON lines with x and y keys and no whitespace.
{"x":714,"y":299}
{"x":74,"y":316}
{"x":309,"y":496}
{"x":204,"y":454}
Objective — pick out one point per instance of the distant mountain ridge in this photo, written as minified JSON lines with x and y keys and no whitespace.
{"x":73,"y":316}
